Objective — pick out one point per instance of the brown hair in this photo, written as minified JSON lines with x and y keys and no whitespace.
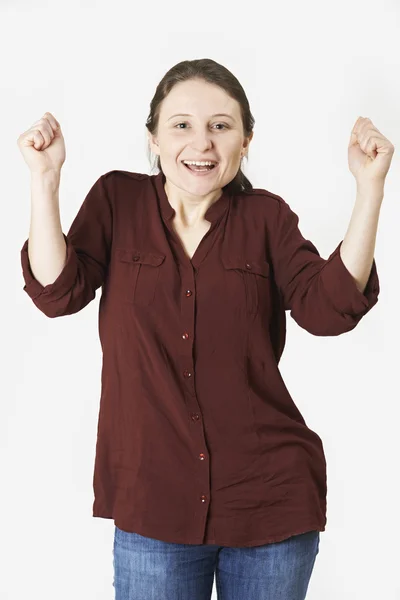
{"x":211,"y":72}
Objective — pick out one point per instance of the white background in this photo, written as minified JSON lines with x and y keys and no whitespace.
{"x":309,"y":69}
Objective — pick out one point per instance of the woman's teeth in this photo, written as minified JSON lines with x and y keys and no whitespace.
{"x":199,"y":165}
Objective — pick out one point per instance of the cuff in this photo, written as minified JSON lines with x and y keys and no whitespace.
{"x":342,"y":290}
{"x":62,"y":284}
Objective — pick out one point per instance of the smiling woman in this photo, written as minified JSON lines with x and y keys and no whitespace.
{"x":200,"y":446}
{"x":200,"y":112}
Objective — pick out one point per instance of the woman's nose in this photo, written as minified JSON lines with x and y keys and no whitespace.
{"x":201,"y":142}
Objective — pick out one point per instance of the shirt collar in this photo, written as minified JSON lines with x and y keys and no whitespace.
{"x":213,"y":213}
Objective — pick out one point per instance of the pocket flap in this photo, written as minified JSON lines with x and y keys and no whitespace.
{"x":259,"y":267}
{"x":138,"y":256}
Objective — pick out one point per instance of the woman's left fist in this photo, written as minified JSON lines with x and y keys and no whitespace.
{"x":369,"y":153}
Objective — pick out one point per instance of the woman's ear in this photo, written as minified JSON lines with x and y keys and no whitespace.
{"x":153,"y":143}
{"x":246,"y":145}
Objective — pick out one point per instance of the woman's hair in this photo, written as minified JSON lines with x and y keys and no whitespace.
{"x":212,"y":72}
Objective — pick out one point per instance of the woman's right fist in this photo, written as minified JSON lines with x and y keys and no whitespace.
{"x":43,"y":146}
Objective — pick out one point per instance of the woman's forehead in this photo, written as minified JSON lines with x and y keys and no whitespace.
{"x":192,"y":98}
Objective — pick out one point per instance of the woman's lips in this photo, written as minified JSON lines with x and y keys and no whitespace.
{"x":200,"y":173}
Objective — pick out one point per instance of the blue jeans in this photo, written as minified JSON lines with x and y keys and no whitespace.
{"x":149,"y":569}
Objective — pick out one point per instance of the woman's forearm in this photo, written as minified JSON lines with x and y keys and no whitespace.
{"x":358,"y":246}
{"x":46,"y":246}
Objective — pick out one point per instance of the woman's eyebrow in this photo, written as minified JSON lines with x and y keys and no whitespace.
{"x":215,"y":115}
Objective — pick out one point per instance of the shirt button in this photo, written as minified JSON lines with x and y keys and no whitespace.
{"x":248,"y":266}
{"x":202,"y":456}
{"x":188,"y":293}
{"x":195,"y":417}
{"x":136,"y":257}
{"x":187,"y":374}
{"x":185,"y":336}
{"x":203,"y":498}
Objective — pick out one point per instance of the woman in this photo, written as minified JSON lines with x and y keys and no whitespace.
{"x":203,"y":459}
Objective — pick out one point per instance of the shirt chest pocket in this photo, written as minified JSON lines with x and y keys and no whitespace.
{"x":138,"y":275}
{"x":249,"y":279}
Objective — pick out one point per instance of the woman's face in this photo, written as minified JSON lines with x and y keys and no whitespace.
{"x":199,"y":121}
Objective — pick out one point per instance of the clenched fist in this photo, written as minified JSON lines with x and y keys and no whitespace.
{"x":43,"y":146}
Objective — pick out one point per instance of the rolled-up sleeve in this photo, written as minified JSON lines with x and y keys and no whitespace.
{"x":321,"y":294}
{"x":88,"y":243}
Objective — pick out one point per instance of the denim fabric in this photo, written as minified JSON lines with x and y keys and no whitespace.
{"x":150,"y":569}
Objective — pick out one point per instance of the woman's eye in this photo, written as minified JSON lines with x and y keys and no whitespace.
{"x":184,"y":123}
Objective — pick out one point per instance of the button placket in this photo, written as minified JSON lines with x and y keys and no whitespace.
{"x":188,"y":314}
{"x":188,"y":317}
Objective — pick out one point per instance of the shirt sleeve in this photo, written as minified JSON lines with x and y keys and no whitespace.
{"x":88,"y":243}
{"x":321,"y":294}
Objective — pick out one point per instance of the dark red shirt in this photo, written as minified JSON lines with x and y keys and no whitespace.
{"x":199,"y":441}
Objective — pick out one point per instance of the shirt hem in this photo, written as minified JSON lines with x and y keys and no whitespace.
{"x":272,"y":539}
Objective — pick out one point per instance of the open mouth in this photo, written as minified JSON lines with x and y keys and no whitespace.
{"x":197,"y":170}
